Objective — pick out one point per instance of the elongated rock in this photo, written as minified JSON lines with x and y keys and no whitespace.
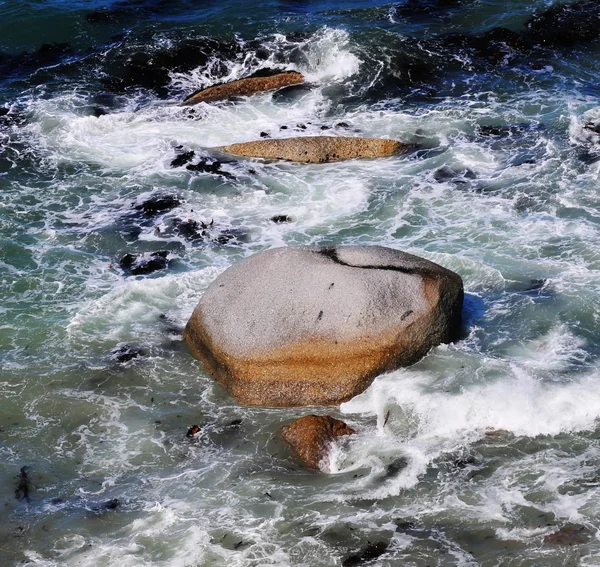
{"x":318,"y":149}
{"x":245,"y":87}
{"x":311,"y":436}
{"x":313,"y":325}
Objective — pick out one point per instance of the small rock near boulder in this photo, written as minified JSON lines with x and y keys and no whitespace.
{"x":311,"y":436}
{"x":257,"y":83}
{"x":313,"y":325}
{"x":318,"y":149}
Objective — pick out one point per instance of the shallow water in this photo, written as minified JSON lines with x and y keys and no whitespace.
{"x":491,"y":443}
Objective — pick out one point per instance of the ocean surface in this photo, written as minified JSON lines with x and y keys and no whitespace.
{"x":485,"y":453}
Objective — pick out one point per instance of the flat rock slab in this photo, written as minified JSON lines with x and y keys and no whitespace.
{"x":314,"y":325}
{"x":311,"y":436}
{"x":245,"y":87}
{"x":318,"y":149}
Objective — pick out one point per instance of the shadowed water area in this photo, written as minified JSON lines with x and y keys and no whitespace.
{"x":115,"y":215}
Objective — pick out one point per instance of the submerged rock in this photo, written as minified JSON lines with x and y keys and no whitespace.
{"x":318,"y":149}
{"x":151,"y":66}
{"x":158,"y":204}
{"x":211,"y":166}
{"x":126,"y":353}
{"x":24,"y":486}
{"x":142,"y":264}
{"x":257,"y":83}
{"x":568,"y":535}
{"x":198,"y":232}
{"x":453,"y":173}
{"x":566,"y":24}
{"x":370,"y":552}
{"x":183,"y":158}
{"x":278,"y":219}
{"x":314,"y":325}
{"x":311,"y":436}
{"x":420,"y":9}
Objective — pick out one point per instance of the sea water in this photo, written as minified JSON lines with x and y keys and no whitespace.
{"x":473,"y":456}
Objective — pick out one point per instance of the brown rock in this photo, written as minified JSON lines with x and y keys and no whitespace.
{"x":318,"y":149}
{"x":568,"y":535}
{"x":311,"y":325}
{"x":245,"y":87}
{"x":311,"y":436}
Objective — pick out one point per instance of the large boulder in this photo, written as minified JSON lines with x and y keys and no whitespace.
{"x":318,"y":149}
{"x":258,"y":83}
{"x":314,"y":325}
{"x":311,"y":437}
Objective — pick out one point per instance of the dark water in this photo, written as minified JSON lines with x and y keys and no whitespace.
{"x":491,"y":445}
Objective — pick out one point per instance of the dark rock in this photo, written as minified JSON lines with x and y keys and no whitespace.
{"x":138,"y":265}
{"x":496,"y":46}
{"x":264,"y":135}
{"x":566,"y":24}
{"x":158,"y":204}
{"x":227,"y":237}
{"x":298,"y":36}
{"x":48,"y":54}
{"x":447,"y":173}
{"x":287,"y":94}
{"x":23,"y":487}
{"x":395,"y":467}
{"x":209,"y":166}
{"x":112,"y":504}
{"x":535,"y":285}
{"x":125,"y":11}
{"x":190,"y":229}
{"x":369,"y":553}
{"x":106,"y":16}
{"x":195,"y":231}
{"x":235,"y":422}
{"x":277,"y":219}
{"x":501,"y":131}
{"x":183,"y":158}
{"x":151,"y":68}
{"x":464,"y":462}
{"x":126,"y":353}
{"x":423,"y":9}
{"x":587,"y":126}
{"x":266,"y":73}
{"x":311,"y":436}
{"x":404,"y":526}
{"x":4,"y":111}
{"x":97,"y":111}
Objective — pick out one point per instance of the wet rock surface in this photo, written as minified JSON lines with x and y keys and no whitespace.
{"x":366,"y":555}
{"x":126,"y":353}
{"x":158,"y":204}
{"x":143,"y":264}
{"x":314,"y":325}
{"x":311,"y":436}
{"x":262,"y":81}
{"x":568,"y":535}
{"x":200,"y":232}
{"x":566,"y":24}
{"x":318,"y":149}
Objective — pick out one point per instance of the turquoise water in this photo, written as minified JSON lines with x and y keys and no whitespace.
{"x":491,"y":443}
